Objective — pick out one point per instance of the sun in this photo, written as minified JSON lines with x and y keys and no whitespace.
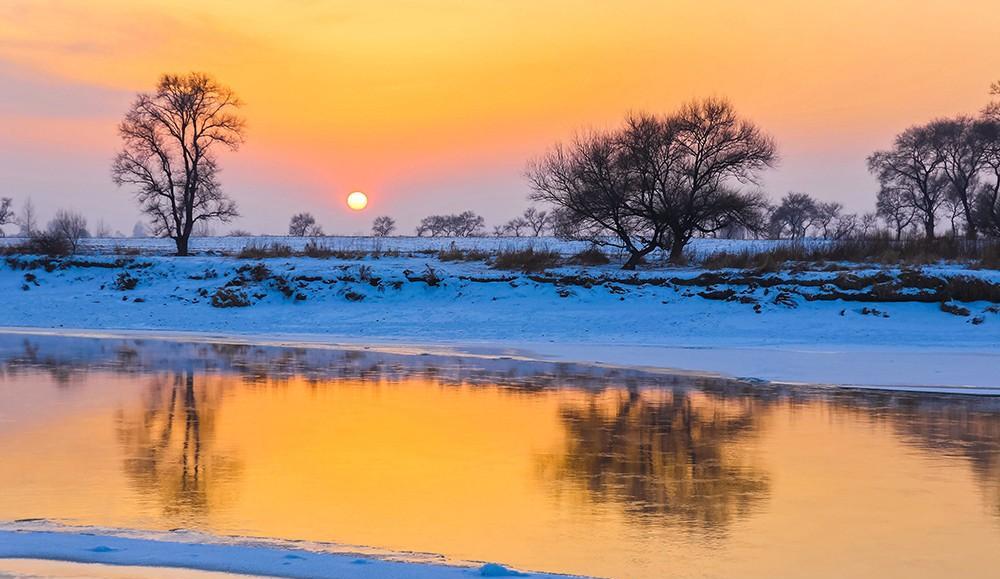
{"x":357,"y":200}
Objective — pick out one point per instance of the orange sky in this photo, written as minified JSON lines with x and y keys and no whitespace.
{"x":435,"y":106}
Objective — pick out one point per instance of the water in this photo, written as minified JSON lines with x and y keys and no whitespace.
{"x":546,"y":467}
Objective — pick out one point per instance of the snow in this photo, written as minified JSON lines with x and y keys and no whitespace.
{"x":618,"y":318}
{"x":240,"y":555}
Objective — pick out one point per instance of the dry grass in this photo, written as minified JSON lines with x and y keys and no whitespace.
{"x":590,"y":256}
{"x":253,"y":250}
{"x":528,"y":260}
{"x":455,"y":254}
{"x":984,"y":253}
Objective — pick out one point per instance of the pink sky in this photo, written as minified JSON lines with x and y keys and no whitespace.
{"x":435,"y":107}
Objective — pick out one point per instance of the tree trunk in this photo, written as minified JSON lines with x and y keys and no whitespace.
{"x":929,"y":228}
{"x":634,"y":259}
{"x":677,"y":248}
{"x":182,"y":244}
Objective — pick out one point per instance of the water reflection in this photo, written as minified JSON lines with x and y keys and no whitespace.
{"x":555,"y":467}
{"x":663,"y":454}
{"x":169,"y":446}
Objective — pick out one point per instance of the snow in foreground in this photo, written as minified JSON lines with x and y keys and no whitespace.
{"x":814,"y":328}
{"x":192,"y":550}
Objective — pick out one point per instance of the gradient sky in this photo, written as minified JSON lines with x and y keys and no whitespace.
{"x":435,"y":106}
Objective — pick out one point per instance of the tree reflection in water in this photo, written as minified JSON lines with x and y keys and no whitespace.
{"x":661,"y":456}
{"x":168,"y":442}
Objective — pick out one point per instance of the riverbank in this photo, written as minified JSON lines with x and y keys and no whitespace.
{"x":925,"y":328}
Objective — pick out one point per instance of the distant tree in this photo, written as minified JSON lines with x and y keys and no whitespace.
{"x":828,"y":218}
{"x":913,"y":169}
{"x":868,"y":225}
{"x":793,"y":217}
{"x":992,"y":110}
{"x":139,"y":229}
{"x":895,"y":206}
{"x":203,"y":229}
{"x":239,"y":233}
{"x":383,"y":226}
{"x":169,"y":138}
{"x":102,"y":230}
{"x":70,"y":227}
{"x":315,"y":230}
{"x":658,"y":181}
{"x":537,"y":220}
{"x":466,"y":224}
{"x":516,"y":227}
{"x":300,"y":224}
{"x":6,"y":213}
{"x":27,"y":221}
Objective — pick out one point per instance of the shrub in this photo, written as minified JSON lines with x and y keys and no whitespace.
{"x":125,"y":281}
{"x":49,"y":243}
{"x":528,"y":260}
{"x":257,"y":272}
{"x":590,"y":256}
{"x":455,"y":254}
{"x":253,"y":250}
{"x":229,"y":298}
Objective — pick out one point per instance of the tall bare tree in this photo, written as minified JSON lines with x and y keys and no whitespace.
{"x":963,"y":143}
{"x":658,"y":181}
{"x":914,"y":168}
{"x":169,"y":141}
{"x":988,"y":198}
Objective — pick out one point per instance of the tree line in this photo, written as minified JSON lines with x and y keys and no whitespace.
{"x":651,"y":184}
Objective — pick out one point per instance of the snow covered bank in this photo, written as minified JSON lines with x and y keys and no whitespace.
{"x":191,"y":550}
{"x":866,"y":327}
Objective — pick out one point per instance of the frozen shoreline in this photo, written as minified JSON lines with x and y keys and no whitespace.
{"x":864,"y":326}
{"x":929,"y":370}
{"x":42,"y":540}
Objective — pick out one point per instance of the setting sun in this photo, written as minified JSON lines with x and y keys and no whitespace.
{"x":357,"y":200}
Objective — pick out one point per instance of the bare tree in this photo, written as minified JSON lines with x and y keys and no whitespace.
{"x":6,"y":213}
{"x":465,"y":224}
{"x":794,"y":216}
{"x":27,"y":221}
{"x":513,"y":228}
{"x":383,"y":226}
{"x":537,"y":220}
{"x":717,"y":152}
{"x":992,"y":110}
{"x":203,"y":229}
{"x":315,"y":230}
{"x":828,"y":216}
{"x":588,"y":182}
{"x":102,"y":230}
{"x":868,"y":225}
{"x":169,"y":139}
{"x":70,"y":227}
{"x":913,"y":168}
{"x":895,"y":206}
{"x":658,"y":181}
{"x":963,"y":144}
{"x":139,"y":229}
{"x":988,"y":198}
{"x":300,"y":224}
